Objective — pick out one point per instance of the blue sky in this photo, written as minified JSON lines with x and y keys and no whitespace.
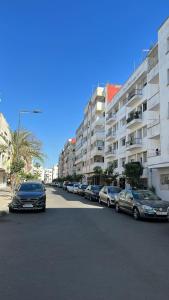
{"x":53,"y":53}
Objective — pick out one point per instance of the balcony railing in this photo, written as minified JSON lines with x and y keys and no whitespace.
{"x":111,"y":134}
{"x":133,"y":95}
{"x":111,"y":152}
{"x":133,"y":141}
{"x":111,"y":117}
{"x":153,"y":153}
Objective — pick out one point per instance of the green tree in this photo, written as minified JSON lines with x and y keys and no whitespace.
{"x":133,"y":171}
{"x":110,"y":174}
{"x":23,"y":148}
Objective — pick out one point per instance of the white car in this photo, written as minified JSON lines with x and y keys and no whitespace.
{"x":69,"y":187}
{"x":75,"y":188}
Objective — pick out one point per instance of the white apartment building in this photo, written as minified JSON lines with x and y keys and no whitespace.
{"x":67,"y":159}
{"x":5,"y":156}
{"x":137,"y":119}
{"x":55,"y":172}
{"x":90,"y":136}
{"x":38,"y":169}
{"x":48,"y":175}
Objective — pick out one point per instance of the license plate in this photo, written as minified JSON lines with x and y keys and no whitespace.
{"x":160,"y":213}
{"x":28,"y":205}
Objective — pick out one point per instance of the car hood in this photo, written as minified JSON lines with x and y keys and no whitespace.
{"x":25,"y":195}
{"x":155,"y":203}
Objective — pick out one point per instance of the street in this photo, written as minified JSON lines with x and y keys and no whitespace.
{"x":81,"y":250}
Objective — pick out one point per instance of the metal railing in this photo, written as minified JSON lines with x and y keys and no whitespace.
{"x":134,"y":141}
{"x":135,"y":92}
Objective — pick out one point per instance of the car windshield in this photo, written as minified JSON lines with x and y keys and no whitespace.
{"x":31,"y":187}
{"x":114,"y":189}
{"x":145,"y":195}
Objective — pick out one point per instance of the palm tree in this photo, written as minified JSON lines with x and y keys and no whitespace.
{"x":24,"y":147}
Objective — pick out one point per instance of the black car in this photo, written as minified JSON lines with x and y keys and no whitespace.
{"x":92,"y":192}
{"x":142,"y":204}
{"x":29,"y":196}
{"x":81,"y":189}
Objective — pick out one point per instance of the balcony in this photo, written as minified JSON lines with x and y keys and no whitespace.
{"x":154,"y":102}
{"x":133,"y":144}
{"x":154,"y":130}
{"x":111,"y":135}
{"x":154,"y":157}
{"x":153,"y":74}
{"x":111,"y":152}
{"x":98,"y":135}
{"x":98,"y":150}
{"x":98,"y":121}
{"x":134,"y":96}
{"x":134,"y":120}
{"x":110,"y":118}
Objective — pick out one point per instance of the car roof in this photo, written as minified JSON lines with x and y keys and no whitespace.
{"x":31,"y":182}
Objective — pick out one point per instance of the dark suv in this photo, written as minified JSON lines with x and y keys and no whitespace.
{"x":29,"y":196}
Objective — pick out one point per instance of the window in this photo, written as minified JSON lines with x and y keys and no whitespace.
{"x":116,"y":163}
{"x":144,"y":131}
{"x":123,"y":142}
{"x":145,"y":157}
{"x":123,"y":122}
{"x":145,"y":106}
{"x":167,"y":50}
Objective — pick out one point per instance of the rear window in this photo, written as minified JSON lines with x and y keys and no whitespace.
{"x":144,"y":195}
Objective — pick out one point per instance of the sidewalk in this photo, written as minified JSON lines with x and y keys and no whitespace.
{"x":5,"y":197}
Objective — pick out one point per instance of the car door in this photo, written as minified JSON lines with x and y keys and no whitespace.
{"x":103,"y":194}
{"x":121,"y":199}
{"x":129,"y":201}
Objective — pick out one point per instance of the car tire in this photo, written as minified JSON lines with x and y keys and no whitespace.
{"x":43,"y":209}
{"x":108,"y":203}
{"x":136,"y":214}
{"x":117,"y":208}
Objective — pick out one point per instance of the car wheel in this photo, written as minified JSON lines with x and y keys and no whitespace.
{"x":136,"y":214}
{"x":108,"y":203}
{"x":117,"y":208}
{"x":43,"y":209}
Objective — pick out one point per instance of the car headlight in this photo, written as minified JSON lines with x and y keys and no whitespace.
{"x":148,"y":208}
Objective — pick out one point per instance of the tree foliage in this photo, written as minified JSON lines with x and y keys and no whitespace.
{"x":133,"y":171}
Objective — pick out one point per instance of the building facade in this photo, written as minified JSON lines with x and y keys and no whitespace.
{"x":66,"y":166}
{"x":5,"y":155}
{"x":130,"y":123}
{"x":48,"y":175}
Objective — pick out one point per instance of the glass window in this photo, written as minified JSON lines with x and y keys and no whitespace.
{"x":145,"y":106}
{"x":144,"y":131}
{"x":26,"y":187}
{"x":145,"y":156}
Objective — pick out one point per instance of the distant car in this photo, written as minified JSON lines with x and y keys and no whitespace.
{"x":142,"y":204}
{"x":60,"y":184}
{"x":108,"y":195}
{"x":69,"y":187}
{"x":75,"y":188}
{"x":92,"y":192}
{"x":81,"y":189}
{"x":29,"y":196}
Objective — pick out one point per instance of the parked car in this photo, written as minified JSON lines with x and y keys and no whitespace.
{"x":60,"y":184}
{"x":29,"y":196}
{"x":142,"y":204}
{"x":108,"y":195}
{"x":65,"y":184}
{"x":92,"y":192}
{"x":81,"y":189}
{"x":75,"y":188}
{"x":69,"y":187}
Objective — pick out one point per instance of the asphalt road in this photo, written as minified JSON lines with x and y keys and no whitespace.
{"x":79,"y":250}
